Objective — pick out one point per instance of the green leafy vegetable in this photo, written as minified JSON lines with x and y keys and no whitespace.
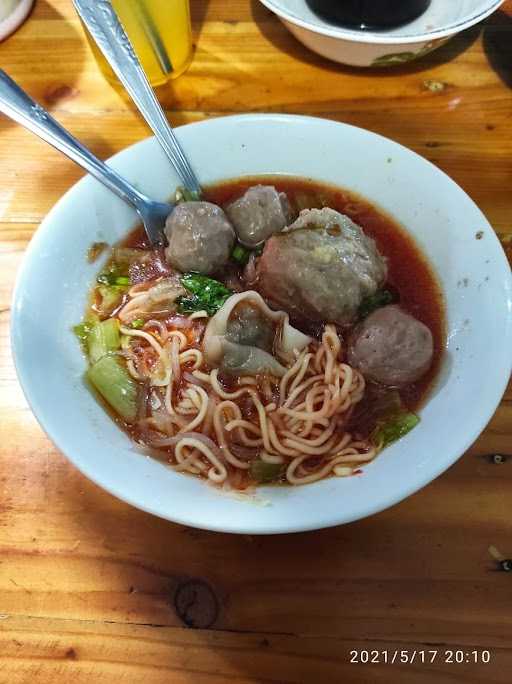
{"x":266,"y":472}
{"x":207,"y":294}
{"x":111,"y":379}
{"x":82,"y":330}
{"x":116,"y":273}
{"x":137,"y":323}
{"x":240,"y":254}
{"x":375,"y":301}
{"x":103,"y":338}
{"x":395,"y":427}
{"x":113,"y":279}
{"x":184,"y":195}
{"x":112,"y":284}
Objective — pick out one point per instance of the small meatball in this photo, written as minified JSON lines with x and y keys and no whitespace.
{"x":258,"y":214}
{"x":320,"y":268}
{"x":200,"y":237}
{"x":391,"y":347}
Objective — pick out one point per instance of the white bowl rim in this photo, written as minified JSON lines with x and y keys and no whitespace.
{"x":373,"y":38}
{"x":386,"y":501}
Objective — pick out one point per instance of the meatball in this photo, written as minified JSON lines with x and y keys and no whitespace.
{"x":320,"y":268}
{"x":391,"y":347}
{"x":200,"y":237}
{"x":258,"y":214}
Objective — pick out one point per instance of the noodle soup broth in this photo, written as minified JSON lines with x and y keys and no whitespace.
{"x":314,"y":416}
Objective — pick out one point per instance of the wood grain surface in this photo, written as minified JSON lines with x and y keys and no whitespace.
{"x":92,"y":590}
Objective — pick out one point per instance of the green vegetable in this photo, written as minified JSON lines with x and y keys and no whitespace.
{"x":184,"y":195}
{"x":207,"y":294}
{"x":116,"y":273}
{"x":240,"y":255}
{"x":394,"y":428}
{"x":113,"y":283}
{"x":103,"y":338}
{"x":375,"y":301}
{"x":82,"y":330}
{"x":266,"y":472}
{"x":113,"y":279}
{"x":116,"y":386}
{"x":137,"y":323}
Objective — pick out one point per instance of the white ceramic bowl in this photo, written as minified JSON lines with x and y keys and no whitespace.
{"x":12,"y":14}
{"x":52,"y":285}
{"x":443,"y":19}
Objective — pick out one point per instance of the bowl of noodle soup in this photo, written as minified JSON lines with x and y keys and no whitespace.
{"x":209,"y":430}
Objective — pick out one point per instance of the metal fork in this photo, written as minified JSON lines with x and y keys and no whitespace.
{"x":15,"y":103}
{"x":104,"y":26}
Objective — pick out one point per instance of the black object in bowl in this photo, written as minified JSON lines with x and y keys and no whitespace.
{"x":376,"y":14}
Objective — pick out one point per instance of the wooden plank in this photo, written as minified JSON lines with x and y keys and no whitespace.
{"x":83,"y":652}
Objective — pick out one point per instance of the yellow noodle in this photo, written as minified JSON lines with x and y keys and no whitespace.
{"x":316,"y":396}
{"x":228,"y":395}
{"x":192,"y":354}
{"x":271,"y":458}
{"x":159,"y":350}
{"x":217,"y":472}
{"x":198,"y":314}
{"x":218,"y":424}
{"x":278,"y":446}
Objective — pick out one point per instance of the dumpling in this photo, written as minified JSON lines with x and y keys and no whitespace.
{"x":245,"y":337}
{"x":258,"y":214}
{"x":200,"y":237}
{"x":320,"y":268}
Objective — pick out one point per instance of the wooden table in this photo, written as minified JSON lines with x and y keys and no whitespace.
{"x":92,"y":590}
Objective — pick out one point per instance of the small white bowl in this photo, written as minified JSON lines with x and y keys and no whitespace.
{"x":443,"y":20}
{"x":53,"y":282}
{"x":12,"y":14}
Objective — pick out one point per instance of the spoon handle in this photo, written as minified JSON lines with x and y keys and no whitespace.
{"x":104,"y":26}
{"x":16,"y":104}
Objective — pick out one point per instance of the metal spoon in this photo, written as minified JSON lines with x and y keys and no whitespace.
{"x":16,"y":104}
{"x":104,"y":26}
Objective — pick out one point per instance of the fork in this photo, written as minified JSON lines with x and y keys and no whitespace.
{"x":103,"y":24}
{"x":15,"y":103}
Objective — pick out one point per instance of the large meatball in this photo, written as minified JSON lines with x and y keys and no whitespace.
{"x":200,"y":237}
{"x":258,"y":214}
{"x":391,"y":347}
{"x":321,"y":267}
